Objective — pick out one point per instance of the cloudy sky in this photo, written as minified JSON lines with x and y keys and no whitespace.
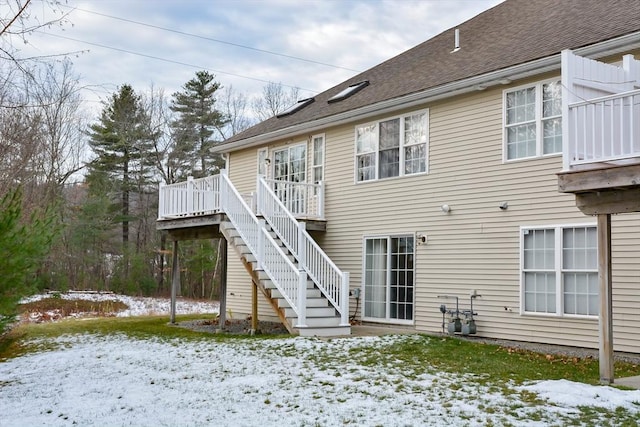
{"x":309,"y":44}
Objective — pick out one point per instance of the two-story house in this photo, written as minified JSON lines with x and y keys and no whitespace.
{"x":431,"y":180}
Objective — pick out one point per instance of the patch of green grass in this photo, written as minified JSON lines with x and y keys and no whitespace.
{"x":621,"y":417}
{"x":487,"y":363}
{"x":21,"y":339}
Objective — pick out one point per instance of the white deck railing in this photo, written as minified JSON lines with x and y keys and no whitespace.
{"x":600,"y":111}
{"x":332,"y":282}
{"x":302,"y":199}
{"x":189,"y":198}
{"x":604,"y":129}
{"x":201,"y":196}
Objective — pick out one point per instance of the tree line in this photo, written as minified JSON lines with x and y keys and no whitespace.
{"x":79,"y":194}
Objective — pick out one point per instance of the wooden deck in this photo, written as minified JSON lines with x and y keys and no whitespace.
{"x":604,"y":188}
{"x":208,"y":226}
{"x":192,"y":227}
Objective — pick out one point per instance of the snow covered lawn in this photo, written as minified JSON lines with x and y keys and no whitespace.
{"x":115,"y":380}
{"x":138,"y":306}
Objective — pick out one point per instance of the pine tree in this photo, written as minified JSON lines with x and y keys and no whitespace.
{"x":198,"y":120}
{"x":121,"y":141}
{"x":24,"y":243}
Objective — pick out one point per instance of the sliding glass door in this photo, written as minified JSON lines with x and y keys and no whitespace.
{"x":389,"y":278}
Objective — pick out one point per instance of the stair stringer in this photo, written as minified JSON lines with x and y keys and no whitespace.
{"x":249,"y":266}
{"x":327,"y":327}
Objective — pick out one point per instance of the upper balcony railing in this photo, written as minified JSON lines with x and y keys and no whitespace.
{"x":604,"y":129}
{"x":193,"y":197}
{"x":300,"y":198}
{"x":197,"y":197}
{"x":600,"y":111}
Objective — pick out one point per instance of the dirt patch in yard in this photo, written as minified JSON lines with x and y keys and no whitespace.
{"x":234,"y":326}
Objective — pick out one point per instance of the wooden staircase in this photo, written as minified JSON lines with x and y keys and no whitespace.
{"x":321,"y":318}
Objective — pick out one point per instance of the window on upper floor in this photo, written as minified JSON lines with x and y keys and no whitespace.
{"x":317,"y":167}
{"x":392,"y":147}
{"x":290,"y":163}
{"x":263,"y":165}
{"x":533,"y":120}
{"x":560,"y":270}
{"x":318,"y":158}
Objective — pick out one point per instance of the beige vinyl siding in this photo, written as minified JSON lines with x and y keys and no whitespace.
{"x":476,"y":246}
{"x":243,"y":169}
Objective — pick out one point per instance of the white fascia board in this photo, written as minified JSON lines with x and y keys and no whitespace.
{"x":472,"y":84}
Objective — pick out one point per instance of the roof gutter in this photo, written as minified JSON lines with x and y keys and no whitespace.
{"x":471,"y":84}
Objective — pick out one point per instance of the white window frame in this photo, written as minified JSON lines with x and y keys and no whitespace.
{"x":262,"y":158}
{"x":559,"y":270}
{"x":387,"y":318}
{"x":539,"y":120}
{"x":320,"y":166}
{"x":403,"y":145}
{"x":289,"y":148}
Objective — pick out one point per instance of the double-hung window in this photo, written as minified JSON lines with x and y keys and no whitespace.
{"x":560,"y":270}
{"x":317,"y":168}
{"x":263,"y":154}
{"x":392,"y":147}
{"x":533,"y":120}
{"x":318,"y":158}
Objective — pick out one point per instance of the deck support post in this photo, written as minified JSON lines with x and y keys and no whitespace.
{"x":222,"y":259}
{"x":605,"y":319}
{"x":254,"y":308}
{"x":175,"y":281}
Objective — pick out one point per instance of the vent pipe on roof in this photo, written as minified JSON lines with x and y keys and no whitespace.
{"x":456,"y":41}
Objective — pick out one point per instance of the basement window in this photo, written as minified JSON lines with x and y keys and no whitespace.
{"x":345,"y":93}
{"x":296,"y":107}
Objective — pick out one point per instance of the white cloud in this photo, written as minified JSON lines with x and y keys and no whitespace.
{"x":354,"y":34}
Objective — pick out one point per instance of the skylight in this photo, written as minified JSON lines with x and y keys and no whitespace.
{"x":345,"y":93}
{"x":295,"y":107}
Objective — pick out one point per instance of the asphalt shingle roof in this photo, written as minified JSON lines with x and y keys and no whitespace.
{"x":511,"y":33}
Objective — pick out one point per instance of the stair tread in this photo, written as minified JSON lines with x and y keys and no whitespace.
{"x":321,"y":317}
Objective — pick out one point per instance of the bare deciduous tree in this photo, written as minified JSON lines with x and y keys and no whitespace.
{"x":156,"y":105}
{"x":19,"y":19}
{"x":274,"y":100}
{"x":63,"y":122}
{"x":41,"y":131}
{"x":234,"y":107}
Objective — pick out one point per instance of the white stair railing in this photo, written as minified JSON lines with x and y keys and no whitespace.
{"x":287,"y":278}
{"x":332,"y":282}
